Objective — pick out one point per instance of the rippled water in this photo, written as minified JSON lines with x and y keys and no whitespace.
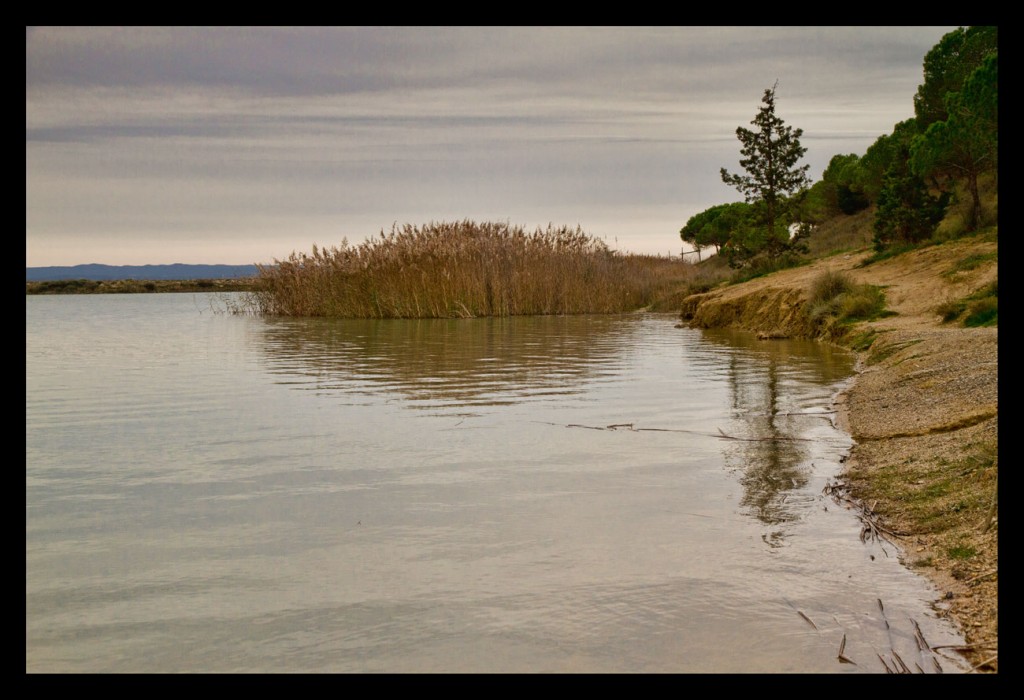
{"x":216,"y":493}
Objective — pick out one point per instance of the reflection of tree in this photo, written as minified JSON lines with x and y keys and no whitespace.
{"x":454,"y":362}
{"x":771,"y":465}
{"x":771,"y":455}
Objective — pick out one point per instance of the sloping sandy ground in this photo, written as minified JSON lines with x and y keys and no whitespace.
{"x":923,"y":411}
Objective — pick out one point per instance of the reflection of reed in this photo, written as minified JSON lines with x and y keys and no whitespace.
{"x":482,"y":361}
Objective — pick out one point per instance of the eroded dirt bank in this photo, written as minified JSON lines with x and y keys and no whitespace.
{"x":923,"y":412}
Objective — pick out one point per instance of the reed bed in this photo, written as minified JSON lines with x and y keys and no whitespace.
{"x":464,"y":269}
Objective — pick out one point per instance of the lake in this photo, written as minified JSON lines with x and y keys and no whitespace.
{"x":209,"y":492}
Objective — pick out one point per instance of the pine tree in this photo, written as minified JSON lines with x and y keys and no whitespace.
{"x":906,"y":212}
{"x":773,"y":179}
{"x":966,"y":144}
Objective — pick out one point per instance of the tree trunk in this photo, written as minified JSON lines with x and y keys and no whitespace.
{"x":972,"y":181}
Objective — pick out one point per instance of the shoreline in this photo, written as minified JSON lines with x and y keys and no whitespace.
{"x":925,"y":432}
{"x":139,"y":286}
{"x":922,"y":411}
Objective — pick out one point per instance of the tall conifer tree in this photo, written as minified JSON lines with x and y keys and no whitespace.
{"x":770,"y":156}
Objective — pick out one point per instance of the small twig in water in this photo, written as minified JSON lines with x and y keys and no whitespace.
{"x":906,"y":669}
{"x":922,"y":643}
{"x":843,"y":658}
{"x":720,"y":434}
{"x":987,"y":644}
{"x":809,"y":620}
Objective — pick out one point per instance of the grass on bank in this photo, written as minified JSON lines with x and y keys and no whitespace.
{"x":980,"y":309}
{"x":837,"y":301}
{"x":938,"y":493}
{"x":465,"y":269}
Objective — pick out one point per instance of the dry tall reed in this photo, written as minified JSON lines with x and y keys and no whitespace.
{"x":464,"y":269}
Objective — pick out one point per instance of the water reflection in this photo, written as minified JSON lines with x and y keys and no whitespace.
{"x":772,"y":448}
{"x":772,"y":457}
{"x":464,"y":363}
{"x":430,"y":363}
{"x":209,"y":517}
{"x":820,"y":363}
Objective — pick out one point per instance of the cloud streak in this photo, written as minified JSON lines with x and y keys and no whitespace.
{"x":236,"y":145}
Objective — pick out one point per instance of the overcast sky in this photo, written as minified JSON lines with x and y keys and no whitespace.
{"x":241,"y":145}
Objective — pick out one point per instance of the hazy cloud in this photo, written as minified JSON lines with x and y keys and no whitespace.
{"x":265,"y":140}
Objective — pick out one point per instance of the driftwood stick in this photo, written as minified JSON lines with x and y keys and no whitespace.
{"x":986,"y":662}
{"x":906,"y":669}
{"x":843,"y":658}
{"x":720,"y":434}
{"x":775,"y":415}
{"x":888,"y":632}
{"x":809,"y":620}
{"x":987,"y":644}
{"x":922,"y":643}
{"x":868,"y":518}
{"x":887,"y":531}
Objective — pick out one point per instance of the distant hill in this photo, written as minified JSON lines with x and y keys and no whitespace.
{"x":177,"y":271}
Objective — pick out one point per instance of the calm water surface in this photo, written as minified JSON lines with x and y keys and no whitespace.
{"x":217,"y":493}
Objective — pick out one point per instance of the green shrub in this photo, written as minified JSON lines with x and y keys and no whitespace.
{"x":863,"y":341}
{"x":953,"y":226}
{"x":862,"y":303}
{"x":829,"y":285}
{"x":981,"y":307}
{"x":836,"y":300}
{"x":950,"y":310}
{"x":962,"y":552}
{"x":984,"y":312}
